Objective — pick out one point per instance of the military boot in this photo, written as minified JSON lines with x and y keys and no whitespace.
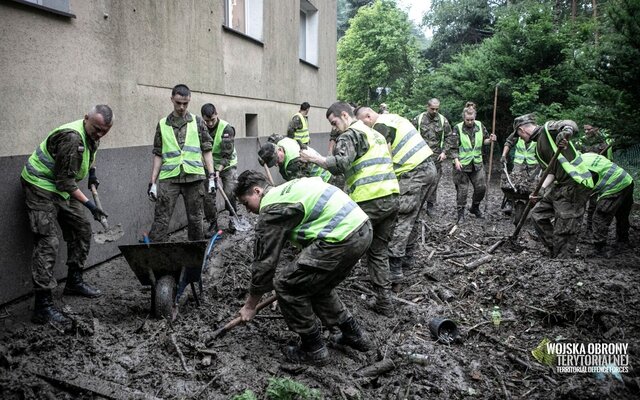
{"x":232,"y":226}
{"x":395,"y":269}
{"x":383,"y":304}
{"x":475,"y":210}
{"x":44,"y":311}
{"x":311,"y":349}
{"x":460,"y":219}
{"x":430,"y":209}
{"x":76,"y":286}
{"x":351,"y":335}
{"x":212,"y":230}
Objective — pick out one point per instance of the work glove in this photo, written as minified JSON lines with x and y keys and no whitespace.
{"x":152,"y":191}
{"x":98,"y":213}
{"x":564,"y":134}
{"x":93,"y":180}
{"x":212,"y":183}
{"x":503,"y":159}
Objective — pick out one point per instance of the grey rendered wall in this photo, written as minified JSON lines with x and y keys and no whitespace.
{"x":123,"y":175}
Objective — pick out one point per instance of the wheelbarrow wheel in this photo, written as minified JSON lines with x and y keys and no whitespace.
{"x":165,"y":293}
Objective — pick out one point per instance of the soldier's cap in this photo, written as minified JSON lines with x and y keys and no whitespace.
{"x":522,"y":120}
{"x":275,"y":138}
{"x":268,"y":155}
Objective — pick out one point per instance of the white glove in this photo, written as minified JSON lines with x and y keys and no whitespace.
{"x":153,"y":192}
{"x":212,"y":184}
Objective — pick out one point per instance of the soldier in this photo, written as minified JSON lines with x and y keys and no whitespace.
{"x":612,"y":197}
{"x":416,"y":175}
{"x":49,"y":180}
{"x":434,"y":128}
{"x":225,"y":160}
{"x":180,"y":145}
{"x":363,"y":156}
{"x":524,"y":173}
{"x":557,"y":215}
{"x":466,"y":142}
{"x":285,"y":153}
{"x":384,"y":108}
{"x":299,"y":125}
{"x":596,"y":140}
{"x":334,"y":233}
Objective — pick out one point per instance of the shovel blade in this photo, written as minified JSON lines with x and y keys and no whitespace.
{"x":110,"y":235}
{"x":242,"y":224}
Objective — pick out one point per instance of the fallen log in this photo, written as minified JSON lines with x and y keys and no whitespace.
{"x":110,"y":390}
{"x":479,"y":262}
{"x":379,"y":368}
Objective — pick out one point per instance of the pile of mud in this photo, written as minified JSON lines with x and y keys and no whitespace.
{"x":120,"y":350}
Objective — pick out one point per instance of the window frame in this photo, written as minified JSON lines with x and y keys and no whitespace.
{"x":54,"y":10}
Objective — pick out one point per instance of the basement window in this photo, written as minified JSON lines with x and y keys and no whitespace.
{"x":60,"y":7}
{"x":251,"y":124}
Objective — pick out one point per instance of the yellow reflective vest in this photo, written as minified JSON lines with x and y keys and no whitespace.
{"x":39,"y":167}
{"x":329,"y":214}
{"x":468,"y":153}
{"x":302,"y":134}
{"x":408,"y":149}
{"x":611,"y":178}
{"x":189,"y":158}
{"x":217,"y":141}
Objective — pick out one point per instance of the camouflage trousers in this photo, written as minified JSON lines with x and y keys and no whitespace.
{"x":557,"y":218}
{"x":44,"y":209}
{"x":462,"y":179}
{"x":433,"y":197}
{"x":228,"y":178}
{"x":617,"y":206}
{"x":383,"y":213}
{"x":193,"y":195}
{"x":414,"y":186}
{"x":306,"y":287}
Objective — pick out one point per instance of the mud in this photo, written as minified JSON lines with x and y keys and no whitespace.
{"x":589,"y":299}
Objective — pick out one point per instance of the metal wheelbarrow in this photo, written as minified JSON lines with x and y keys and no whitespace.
{"x":168,"y":268}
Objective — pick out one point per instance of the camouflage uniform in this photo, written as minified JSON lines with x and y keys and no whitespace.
{"x":227,"y":176}
{"x":294,"y":124}
{"x":617,"y":206}
{"x":45,"y":208}
{"x":306,"y":286}
{"x":472,"y":172}
{"x":599,"y":143}
{"x":524,"y":177}
{"x":382,"y":211}
{"x":188,"y":185}
{"x":431,"y":131}
{"x":414,"y":185}
{"x":563,"y":201}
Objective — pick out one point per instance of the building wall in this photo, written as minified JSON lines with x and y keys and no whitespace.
{"x":129,"y":54}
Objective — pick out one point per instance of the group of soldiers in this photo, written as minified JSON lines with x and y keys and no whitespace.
{"x":360,"y":203}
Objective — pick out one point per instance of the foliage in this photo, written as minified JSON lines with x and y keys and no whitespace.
{"x":346,"y":10}
{"x":246,"y":395}
{"x":378,"y":55}
{"x":287,"y":389}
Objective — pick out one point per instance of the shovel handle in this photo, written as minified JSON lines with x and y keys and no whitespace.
{"x":226,"y":200}
{"x":238,"y":320}
{"x":96,"y":199}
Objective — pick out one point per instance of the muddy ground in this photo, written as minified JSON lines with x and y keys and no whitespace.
{"x":120,"y":346}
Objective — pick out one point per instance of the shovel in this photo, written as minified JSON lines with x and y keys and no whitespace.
{"x":237,"y":321}
{"x":108,"y":235}
{"x":525,"y":213}
{"x":242,"y":225}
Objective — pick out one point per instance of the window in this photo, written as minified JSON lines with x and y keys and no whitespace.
{"x":245,"y":16}
{"x":60,"y":7}
{"x":251,"y":123}
{"x":308,"y":42}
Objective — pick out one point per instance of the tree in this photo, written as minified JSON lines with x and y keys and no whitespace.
{"x":346,"y":10}
{"x":377,"y":57}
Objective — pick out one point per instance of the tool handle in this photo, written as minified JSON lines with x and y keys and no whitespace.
{"x":546,"y":172}
{"x":238,"y":320}
{"x":269,"y":177}
{"x":226,"y":199}
{"x":96,"y":199}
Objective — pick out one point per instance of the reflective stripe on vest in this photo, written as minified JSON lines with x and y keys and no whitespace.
{"x":217,"y":142}
{"x":441,"y":126}
{"x":408,"y":149}
{"x":329,"y":214}
{"x":611,"y":178}
{"x":468,"y":153}
{"x":189,"y":157}
{"x":576,"y":168}
{"x":291,"y":150}
{"x":302,"y":134}
{"x":39,"y":167}
{"x":525,"y":153}
{"x":371,"y":176}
